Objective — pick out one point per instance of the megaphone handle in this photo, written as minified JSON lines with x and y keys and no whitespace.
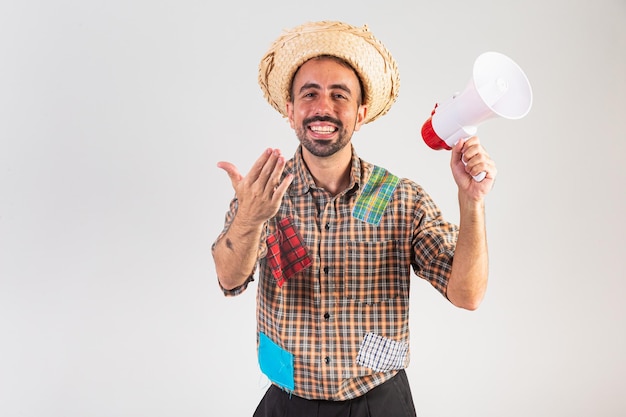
{"x":481,"y":176}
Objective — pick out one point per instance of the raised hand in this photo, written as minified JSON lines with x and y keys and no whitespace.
{"x":469,"y":159}
{"x":260,"y":192}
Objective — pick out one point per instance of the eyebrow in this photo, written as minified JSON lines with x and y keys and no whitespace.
{"x":316,"y":86}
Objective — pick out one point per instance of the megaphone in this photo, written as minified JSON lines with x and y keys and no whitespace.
{"x":498,"y":88}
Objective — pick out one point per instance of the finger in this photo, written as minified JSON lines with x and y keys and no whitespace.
{"x":272,"y":171}
{"x":481,"y":163}
{"x":277,"y":173}
{"x":281,"y":189}
{"x":473,"y":151}
{"x":259,"y":164}
{"x":470,"y":147}
{"x":232,"y":171}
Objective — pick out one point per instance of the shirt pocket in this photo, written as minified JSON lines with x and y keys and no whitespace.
{"x":372,"y":271}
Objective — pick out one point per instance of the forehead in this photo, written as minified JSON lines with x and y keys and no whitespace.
{"x":330,"y":69}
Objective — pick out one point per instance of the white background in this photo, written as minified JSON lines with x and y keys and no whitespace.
{"x":113,"y":115}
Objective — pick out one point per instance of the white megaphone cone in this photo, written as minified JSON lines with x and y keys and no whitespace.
{"x":498,"y":88}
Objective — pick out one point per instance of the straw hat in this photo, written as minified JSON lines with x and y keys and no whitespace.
{"x":370,"y":59}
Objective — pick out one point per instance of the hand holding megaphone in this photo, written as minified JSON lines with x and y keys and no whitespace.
{"x":498,"y":88}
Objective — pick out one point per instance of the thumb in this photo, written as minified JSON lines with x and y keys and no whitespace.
{"x":232,"y":171}
{"x":456,"y":156}
{"x":456,"y":150}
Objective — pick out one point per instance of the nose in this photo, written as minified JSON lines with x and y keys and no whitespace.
{"x":323,"y":106}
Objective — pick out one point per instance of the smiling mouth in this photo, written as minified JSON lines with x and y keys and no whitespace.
{"x":324,"y":130}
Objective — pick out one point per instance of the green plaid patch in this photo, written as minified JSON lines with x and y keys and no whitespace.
{"x":376,"y":194}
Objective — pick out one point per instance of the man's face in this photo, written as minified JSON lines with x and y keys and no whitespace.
{"x":325,"y":111}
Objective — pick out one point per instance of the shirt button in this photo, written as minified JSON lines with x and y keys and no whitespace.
{"x":326,"y":270}
{"x":326,"y":316}
{"x":327,"y":360}
{"x":327,"y":226}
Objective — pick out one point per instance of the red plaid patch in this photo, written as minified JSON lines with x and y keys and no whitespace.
{"x":286,"y":253}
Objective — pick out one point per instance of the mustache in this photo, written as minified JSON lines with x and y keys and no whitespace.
{"x":323,"y":119}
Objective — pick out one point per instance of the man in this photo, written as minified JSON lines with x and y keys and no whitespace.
{"x":334,"y":237}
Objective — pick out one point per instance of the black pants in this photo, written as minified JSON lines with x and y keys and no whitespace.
{"x":391,"y":399}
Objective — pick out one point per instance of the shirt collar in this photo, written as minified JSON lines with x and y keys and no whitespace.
{"x":303,"y":180}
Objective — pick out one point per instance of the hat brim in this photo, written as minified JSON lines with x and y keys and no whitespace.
{"x":370,"y":59}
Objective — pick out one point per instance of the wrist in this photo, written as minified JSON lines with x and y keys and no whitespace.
{"x":470,"y":203}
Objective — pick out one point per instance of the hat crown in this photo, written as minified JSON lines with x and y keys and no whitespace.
{"x":356,"y":45}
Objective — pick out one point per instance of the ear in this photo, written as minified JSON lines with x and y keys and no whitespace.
{"x":289,"y":108}
{"x":360,"y":116}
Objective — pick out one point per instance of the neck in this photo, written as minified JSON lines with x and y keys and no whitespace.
{"x":331,"y":173}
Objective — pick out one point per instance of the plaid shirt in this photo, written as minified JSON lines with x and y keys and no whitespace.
{"x":334,"y":273}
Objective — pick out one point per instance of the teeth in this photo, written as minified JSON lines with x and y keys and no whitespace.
{"x":323,"y":129}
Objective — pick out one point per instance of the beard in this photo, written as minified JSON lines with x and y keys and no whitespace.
{"x":323,"y":148}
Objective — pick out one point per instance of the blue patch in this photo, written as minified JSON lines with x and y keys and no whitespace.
{"x":276,"y":363}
